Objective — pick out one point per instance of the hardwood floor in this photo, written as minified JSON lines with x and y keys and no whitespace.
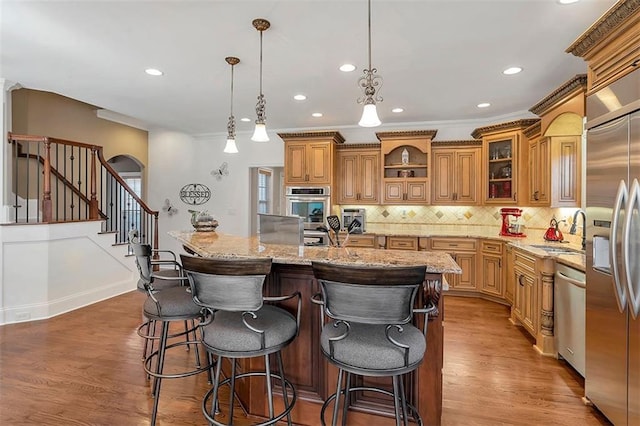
{"x":84,"y":368}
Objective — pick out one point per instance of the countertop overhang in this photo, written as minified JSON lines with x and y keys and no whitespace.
{"x":216,"y":244}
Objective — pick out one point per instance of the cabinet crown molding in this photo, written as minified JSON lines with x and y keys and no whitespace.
{"x":533,"y":130}
{"x":404,"y":134}
{"x":336,"y":136}
{"x":511,"y":125}
{"x":577,"y":83}
{"x":461,"y":142}
{"x":372,"y":145}
{"x":603,"y":27}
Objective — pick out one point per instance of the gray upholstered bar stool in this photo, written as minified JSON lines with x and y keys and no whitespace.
{"x":370,"y":333}
{"x":168,"y":305}
{"x":240,"y":325}
{"x":165,"y":272}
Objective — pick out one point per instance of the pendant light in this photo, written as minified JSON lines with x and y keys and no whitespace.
{"x":260,"y":132}
{"x":369,"y":82}
{"x":231,"y":147}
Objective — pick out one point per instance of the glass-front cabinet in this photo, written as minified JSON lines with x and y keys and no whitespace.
{"x":504,"y":161}
{"x":500,"y":166}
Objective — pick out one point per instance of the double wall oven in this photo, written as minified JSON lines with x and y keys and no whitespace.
{"x":312,"y":204}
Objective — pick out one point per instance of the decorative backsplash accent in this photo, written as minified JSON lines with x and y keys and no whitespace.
{"x":532,"y":217}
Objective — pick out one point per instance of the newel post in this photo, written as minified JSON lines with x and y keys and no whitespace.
{"x":156,"y":255}
{"x":93,"y":201}
{"x":46,"y":195}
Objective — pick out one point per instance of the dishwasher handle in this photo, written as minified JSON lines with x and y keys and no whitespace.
{"x":577,"y":283}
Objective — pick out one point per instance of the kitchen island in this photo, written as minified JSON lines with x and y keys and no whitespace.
{"x":313,"y":377}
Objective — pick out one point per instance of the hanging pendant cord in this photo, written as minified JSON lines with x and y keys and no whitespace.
{"x":232,"y":90}
{"x":369,"y":7}
{"x":260,"y":62}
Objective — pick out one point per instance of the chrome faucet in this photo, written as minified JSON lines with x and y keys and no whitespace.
{"x":572,"y":230}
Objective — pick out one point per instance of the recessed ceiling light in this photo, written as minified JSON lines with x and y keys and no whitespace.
{"x":299,"y":97}
{"x":347,"y":68}
{"x":567,"y":1}
{"x":483,"y":105}
{"x":512,"y":70}
{"x":317,"y":114}
{"x":245,"y":119}
{"x":397,"y":110}
{"x":153,"y":71}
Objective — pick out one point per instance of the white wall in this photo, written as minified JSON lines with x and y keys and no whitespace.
{"x":51,"y":269}
{"x":176,"y":159}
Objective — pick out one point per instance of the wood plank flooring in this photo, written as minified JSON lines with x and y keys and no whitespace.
{"x":84,"y":368}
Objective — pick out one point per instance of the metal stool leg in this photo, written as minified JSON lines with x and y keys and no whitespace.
{"x":334,"y":420}
{"x":158,"y":380}
{"x":232,"y":390}
{"x":345,"y":404}
{"x":403,"y":401}
{"x":396,"y":399}
{"x":285,"y":393}
{"x":267,"y":370}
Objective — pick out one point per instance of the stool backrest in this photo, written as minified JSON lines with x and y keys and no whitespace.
{"x":142,"y":253}
{"x":370,"y":295}
{"x":227,"y":284}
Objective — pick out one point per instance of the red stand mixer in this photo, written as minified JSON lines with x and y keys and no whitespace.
{"x":510,"y":229}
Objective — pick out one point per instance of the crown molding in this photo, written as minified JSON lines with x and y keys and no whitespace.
{"x":406,"y":134}
{"x":372,"y":145}
{"x":533,"y":129}
{"x":461,"y":142}
{"x":336,"y":136}
{"x":603,"y":27}
{"x":577,"y":83}
{"x":511,"y":125}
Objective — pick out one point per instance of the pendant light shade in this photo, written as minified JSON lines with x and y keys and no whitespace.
{"x":260,"y":132}
{"x":370,"y":83}
{"x":231,"y":147}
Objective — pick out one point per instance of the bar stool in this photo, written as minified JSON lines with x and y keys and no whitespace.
{"x":239,"y":325}
{"x":164,"y":307}
{"x":370,"y":333}
{"x":165,"y":272}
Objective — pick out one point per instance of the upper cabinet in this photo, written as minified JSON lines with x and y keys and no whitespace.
{"x":309,"y":157}
{"x":405,"y":159}
{"x":611,"y":46}
{"x":358,"y":177}
{"x":505,"y":167}
{"x":555,"y":146}
{"x":456,"y":173}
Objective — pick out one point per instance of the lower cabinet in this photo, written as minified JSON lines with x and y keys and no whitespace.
{"x":524,"y":306}
{"x":464,"y":252}
{"x":361,"y":240}
{"x":402,"y":243}
{"x":510,"y":283}
{"x":492,"y":273}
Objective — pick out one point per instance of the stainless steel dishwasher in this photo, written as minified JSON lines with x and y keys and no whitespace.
{"x":569,"y":312}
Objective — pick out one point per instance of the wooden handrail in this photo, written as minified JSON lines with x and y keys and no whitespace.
{"x":91,"y":199}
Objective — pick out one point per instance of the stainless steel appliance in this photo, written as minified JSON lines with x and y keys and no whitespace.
{"x":612,"y":380}
{"x":569,"y":313}
{"x":312,"y":204}
{"x":276,"y":229}
{"x":349,"y":214}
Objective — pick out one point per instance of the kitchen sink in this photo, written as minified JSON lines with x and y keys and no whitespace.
{"x":554,"y":249}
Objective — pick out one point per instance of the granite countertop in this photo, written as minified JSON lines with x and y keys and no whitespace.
{"x":216,"y":244}
{"x":534,"y":238}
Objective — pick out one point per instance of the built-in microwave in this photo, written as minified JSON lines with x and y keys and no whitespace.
{"x":312,"y":204}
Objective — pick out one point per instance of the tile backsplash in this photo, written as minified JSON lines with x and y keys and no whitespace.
{"x":532,"y":217}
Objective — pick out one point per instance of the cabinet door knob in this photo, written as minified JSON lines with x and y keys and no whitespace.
{"x":535,"y":195}
{"x":520,"y":278}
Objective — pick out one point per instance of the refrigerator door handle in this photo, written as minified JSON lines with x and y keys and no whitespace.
{"x":619,"y":290}
{"x":633,"y":282}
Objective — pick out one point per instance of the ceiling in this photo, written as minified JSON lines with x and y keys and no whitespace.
{"x":438,"y":58}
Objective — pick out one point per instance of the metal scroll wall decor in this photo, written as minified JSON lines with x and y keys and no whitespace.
{"x":195,"y":194}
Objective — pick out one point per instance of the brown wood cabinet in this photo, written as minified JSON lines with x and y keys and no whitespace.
{"x":554,"y":170}
{"x":525,"y":277}
{"x":464,"y":252}
{"x":505,"y":162}
{"x":358,"y":177}
{"x":361,"y":240}
{"x":509,"y":285}
{"x":309,"y":157}
{"x":456,"y":173}
{"x":492,"y":271}
{"x":610,"y":46}
{"x":405,"y":161}
{"x":402,"y":243}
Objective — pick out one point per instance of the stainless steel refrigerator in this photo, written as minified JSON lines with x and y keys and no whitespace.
{"x":612,"y":376}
